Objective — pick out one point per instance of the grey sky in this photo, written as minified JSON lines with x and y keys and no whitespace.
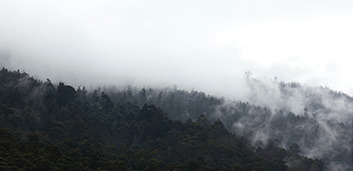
{"x":206,"y":45}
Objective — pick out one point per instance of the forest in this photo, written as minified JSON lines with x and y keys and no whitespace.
{"x":46,"y":126}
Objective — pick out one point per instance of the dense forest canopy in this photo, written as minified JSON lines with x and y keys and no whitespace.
{"x":45,"y":126}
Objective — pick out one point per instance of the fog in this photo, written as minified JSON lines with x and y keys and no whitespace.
{"x":201,"y":45}
{"x":317,"y":118}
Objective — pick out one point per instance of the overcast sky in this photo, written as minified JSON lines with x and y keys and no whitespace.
{"x":205,"y":45}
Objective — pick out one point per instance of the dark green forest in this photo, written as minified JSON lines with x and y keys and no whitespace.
{"x":57,"y":127}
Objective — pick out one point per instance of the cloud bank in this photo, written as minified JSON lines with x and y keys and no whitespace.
{"x":204,"y":45}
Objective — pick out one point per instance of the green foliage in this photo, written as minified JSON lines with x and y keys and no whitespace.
{"x":65,"y":94}
{"x":105,"y":102}
{"x":65,"y":129}
{"x":294,"y":148}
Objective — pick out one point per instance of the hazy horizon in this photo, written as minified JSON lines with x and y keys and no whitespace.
{"x":201,"y":45}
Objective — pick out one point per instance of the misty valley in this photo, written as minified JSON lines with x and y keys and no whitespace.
{"x":280,"y":127}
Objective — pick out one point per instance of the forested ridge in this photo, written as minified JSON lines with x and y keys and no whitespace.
{"x":57,"y":127}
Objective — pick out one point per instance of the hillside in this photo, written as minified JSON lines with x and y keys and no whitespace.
{"x":57,"y":127}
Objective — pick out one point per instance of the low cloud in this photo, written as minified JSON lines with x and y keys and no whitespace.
{"x":201,"y":45}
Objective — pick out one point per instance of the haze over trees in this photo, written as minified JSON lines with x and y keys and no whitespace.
{"x":57,"y":127}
